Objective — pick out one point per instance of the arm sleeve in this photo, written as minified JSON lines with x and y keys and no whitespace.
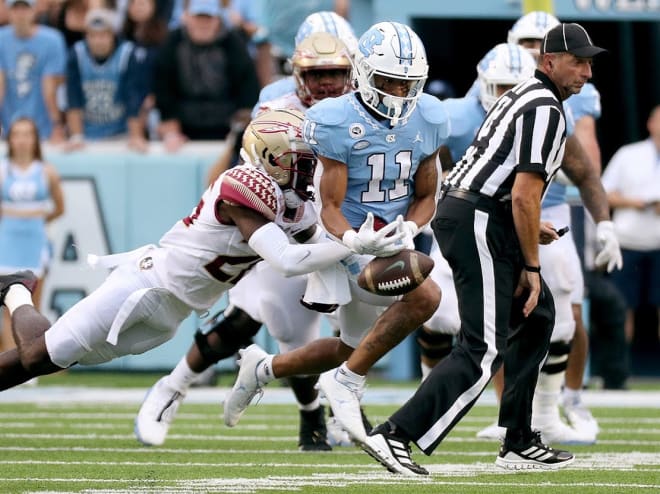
{"x":272,"y":244}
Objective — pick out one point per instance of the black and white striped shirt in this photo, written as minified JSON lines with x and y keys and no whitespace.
{"x":524,"y":131}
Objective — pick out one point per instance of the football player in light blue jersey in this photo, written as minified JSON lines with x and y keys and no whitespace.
{"x":564,"y":277}
{"x":503,"y":67}
{"x":377,"y":148}
{"x":318,"y":22}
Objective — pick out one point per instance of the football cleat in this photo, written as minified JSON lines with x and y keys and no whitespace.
{"x":533,"y":455}
{"x":392,"y":451}
{"x":344,"y":399}
{"x":337,"y":436}
{"x":313,"y":435}
{"x":557,"y":432}
{"x":157,"y":413}
{"x":25,"y":278}
{"x":247,"y":385}
{"x":580,"y":418}
{"x":492,"y":432}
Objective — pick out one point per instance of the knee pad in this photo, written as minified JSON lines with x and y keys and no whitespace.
{"x":557,"y":359}
{"x":434,"y":345}
{"x":234,"y":330}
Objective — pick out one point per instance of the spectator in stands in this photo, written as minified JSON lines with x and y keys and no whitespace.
{"x":69,"y":18}
{"x":104,"y":87}
{"x":32,"y":65}
{"x":204,"y":78}
{"x":30,"y":197}
{"x":632,"y":181}
{"x":147,"y":29}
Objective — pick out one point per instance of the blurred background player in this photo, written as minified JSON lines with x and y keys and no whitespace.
{"x":503,"y":67}
{"x":322,"y":68}
{"x":318,"y":22}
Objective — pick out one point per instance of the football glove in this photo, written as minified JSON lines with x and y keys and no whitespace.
{"x":610,"y":252}
{"x":382,"y":243}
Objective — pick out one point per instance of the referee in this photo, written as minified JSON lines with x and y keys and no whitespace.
{"x":487,"y":226}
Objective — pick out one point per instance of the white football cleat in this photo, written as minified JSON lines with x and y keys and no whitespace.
{"x":247,"y":385}
{"x":580,"y":418}
{"x":344,"y":399}
{"x":493,"y":432}
{"x":157,"y":413}
{"x":557,"y":432}
{"x":337,"y":436}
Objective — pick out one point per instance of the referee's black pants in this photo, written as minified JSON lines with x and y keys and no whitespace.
{"x":479,"y":242}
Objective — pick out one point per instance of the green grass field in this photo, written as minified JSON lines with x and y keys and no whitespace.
{"x":48,"y":447}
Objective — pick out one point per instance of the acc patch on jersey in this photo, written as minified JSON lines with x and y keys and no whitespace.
{"x":356,"y":130}
{"x":246,"y":186}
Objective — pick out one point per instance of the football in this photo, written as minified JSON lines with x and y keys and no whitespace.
{"x":397,"y":274}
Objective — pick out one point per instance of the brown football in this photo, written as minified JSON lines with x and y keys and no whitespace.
{"x":397,"y":274}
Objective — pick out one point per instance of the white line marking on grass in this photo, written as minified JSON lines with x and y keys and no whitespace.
{"x":251,"y":485}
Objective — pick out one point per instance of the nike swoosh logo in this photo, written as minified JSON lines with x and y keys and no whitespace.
{"x":307,"y":254}
{"x":395,"y":265}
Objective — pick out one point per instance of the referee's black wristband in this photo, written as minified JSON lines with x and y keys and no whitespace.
{"x":533,"y":269}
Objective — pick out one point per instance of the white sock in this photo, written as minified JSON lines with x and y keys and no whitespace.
{"x":347,"y":376}
{"x":17,"y":295}
{"x":546,"y":397}
{"x":572,"y":396}
{"x":312,"y":405}
{"x":182,"y":376}
{"x":265,"y":370}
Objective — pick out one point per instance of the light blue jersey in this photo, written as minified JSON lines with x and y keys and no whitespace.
{"x":104,"y":108}
{"x":23,"y":241}
{"x":274,"y":90}
{"x":24,"y":62}
{"x":466,"y":116}
{"x":381,"y":160}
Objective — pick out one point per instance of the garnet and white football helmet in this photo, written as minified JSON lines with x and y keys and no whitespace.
{"x":394,"y":51}
{"x":328,"y":22}
{"x":321,"y":52}
{"x":504,"y":65}
{"x":274,"y":142}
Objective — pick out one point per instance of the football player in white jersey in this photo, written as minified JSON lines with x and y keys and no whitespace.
{"x":322,"y":68}
{"x":378,"y":149}
{"x":251,"y":212}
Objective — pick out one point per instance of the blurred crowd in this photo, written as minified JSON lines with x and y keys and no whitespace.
{"x":141,"y":70}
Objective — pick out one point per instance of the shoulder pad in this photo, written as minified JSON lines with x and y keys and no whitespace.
{"x":432,"y":109}
{"x":329,"y":111}
{"x":246,"y":186}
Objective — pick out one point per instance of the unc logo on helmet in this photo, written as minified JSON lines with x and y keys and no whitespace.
{"x":369,"y":41}
{"x":390,"y":51}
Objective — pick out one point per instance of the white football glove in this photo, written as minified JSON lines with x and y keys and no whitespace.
{"x":409,"y":230}
{"x":377,"y":243}
{"x":610,"y":252}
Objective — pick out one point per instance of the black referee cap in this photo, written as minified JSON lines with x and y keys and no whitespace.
{"x":569,"y":38}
